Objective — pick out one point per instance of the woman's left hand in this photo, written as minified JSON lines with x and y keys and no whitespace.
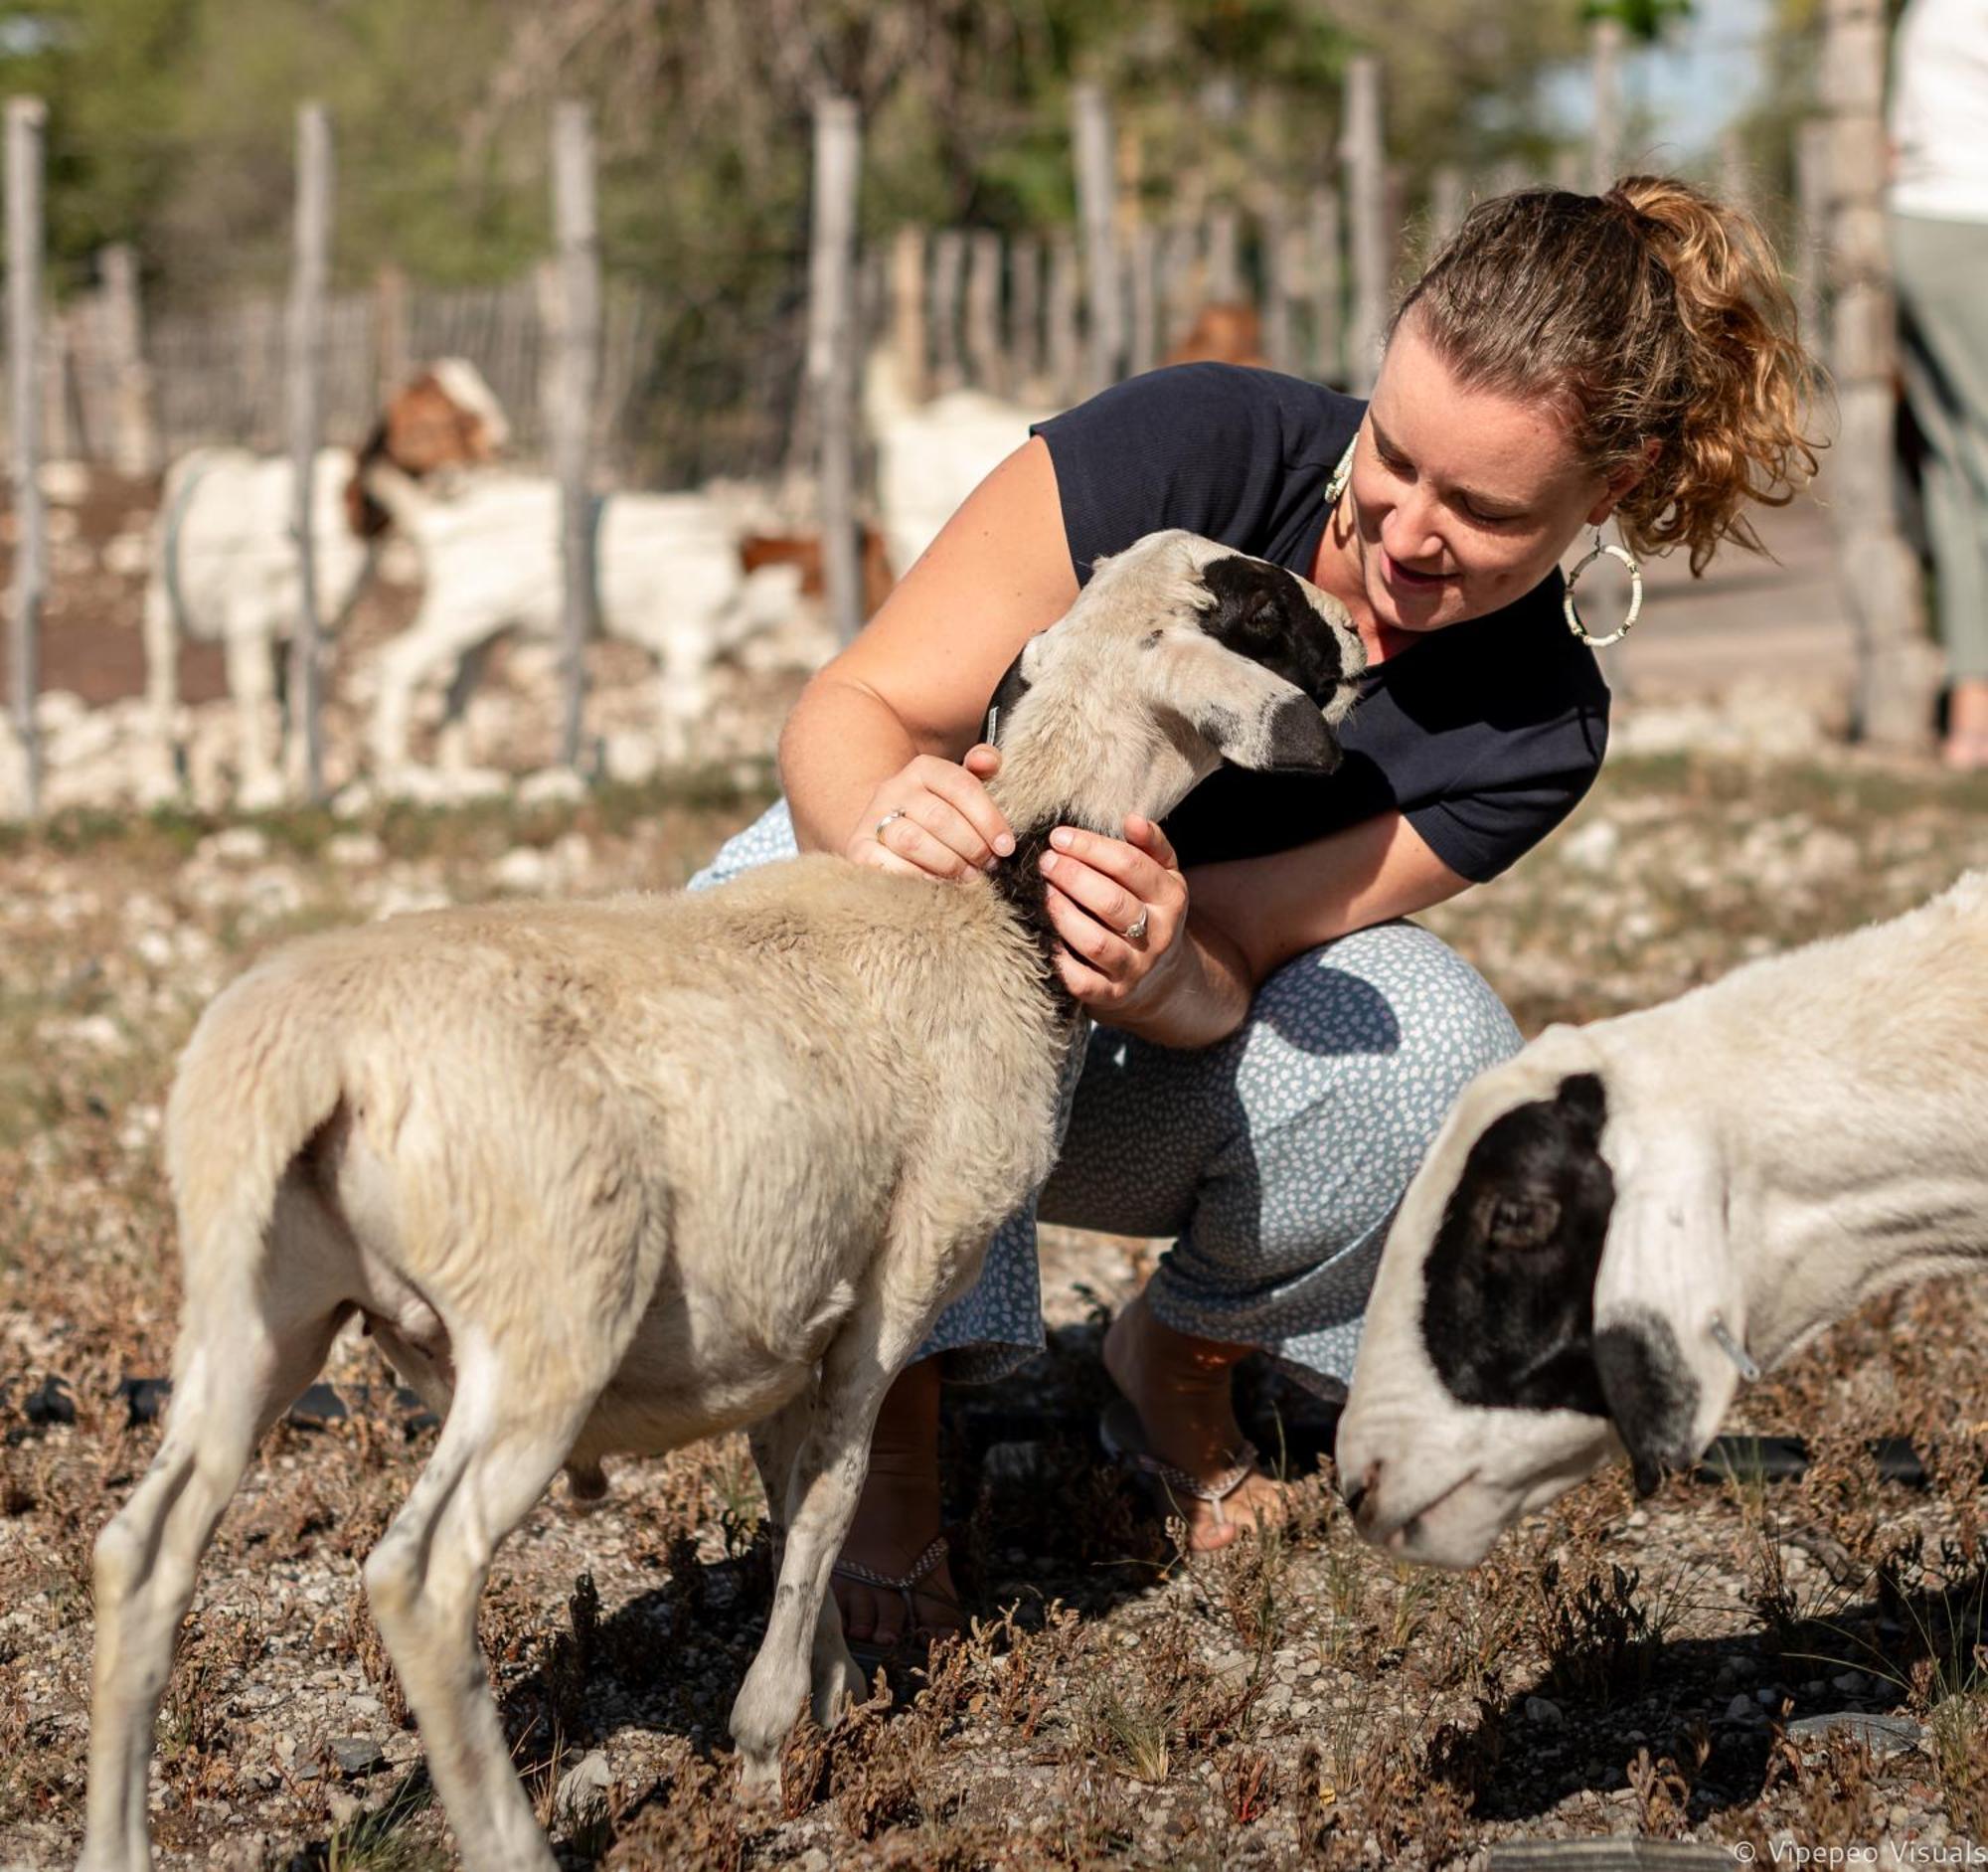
{"x":1101,"y":888}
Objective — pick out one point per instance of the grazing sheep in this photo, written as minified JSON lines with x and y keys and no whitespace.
{"x":1614,"y":1224}
{"x":615,"y":1176}
{"x":224,"y":556}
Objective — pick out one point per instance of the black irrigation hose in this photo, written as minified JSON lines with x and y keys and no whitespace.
{"x":1786,"y":1460}
{"x":1730,"y":1458}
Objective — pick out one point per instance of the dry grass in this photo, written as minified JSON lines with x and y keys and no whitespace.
{"x":1295,"y":1700}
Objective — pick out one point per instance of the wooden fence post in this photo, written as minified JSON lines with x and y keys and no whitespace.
{"x":831,"y":351}
{"x":303,"y":397}
{"x":26,"y":117}
{"x":986,"y":364}
{"x":134,"y":436}
{"x":1181,"y":271}
{"x":1811,"y":228}
{"x":908,"y":342}
{"x":1604,"y":138}
{"x":1142,"y":350}
{"x":1065,"y":290}
{"x":1897,"y":673}
{"x":1090,"y":122}
{"x":948,"y":266}
{"x":1363,"y":153}
{"x":1278,"y":346}
{"x":1024,"y":317}
{"x":577,"y":376}
{"x":393,"y":359}
{"x":1448,"y":204}
{"x":1224,"y":257}
{"x":1328,"y":287}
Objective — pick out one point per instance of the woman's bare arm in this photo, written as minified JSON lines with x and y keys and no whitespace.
{"x":1265,"y":911}
{"x":918,"y":678}
{"x":1249,"y":916}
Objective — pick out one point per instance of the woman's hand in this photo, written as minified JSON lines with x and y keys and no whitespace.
{"x":1100,"y":890}
{"x":934,"y":818}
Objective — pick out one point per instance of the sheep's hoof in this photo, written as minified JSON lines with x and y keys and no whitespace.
{"x":759,"y":1777}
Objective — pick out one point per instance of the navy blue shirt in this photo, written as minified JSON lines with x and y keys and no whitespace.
{"x":1485,"y":735}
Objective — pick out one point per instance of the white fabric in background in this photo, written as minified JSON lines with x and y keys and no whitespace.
{"x":1938,"y":116}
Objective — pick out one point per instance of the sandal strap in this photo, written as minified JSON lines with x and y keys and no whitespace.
{"x":934,"y":1555}
{"x":1216,"y":1490}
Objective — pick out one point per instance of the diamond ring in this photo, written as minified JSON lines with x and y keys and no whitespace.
{"x":1136,"y":929}
{"x":896,"y":812}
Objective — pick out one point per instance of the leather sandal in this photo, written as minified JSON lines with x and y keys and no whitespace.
{"x":1124,"y":1438}
{"x":914,"y":1639}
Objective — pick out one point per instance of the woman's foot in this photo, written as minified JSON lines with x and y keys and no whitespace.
{"x":1966,"y":748}
{"x":897,"y":1518}
{"x":1181,"y":1388}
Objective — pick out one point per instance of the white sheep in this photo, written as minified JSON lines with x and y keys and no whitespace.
{"x":224,"y":559}
{"x":615,"y":1176}
{"x":1619,"y":1224}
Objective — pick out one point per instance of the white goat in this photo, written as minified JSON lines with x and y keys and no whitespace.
{"x":931,"y":456}
{"x":225,"y":555}
{"x":615,"y":1176}
{"x":1613,"y":1226}
{"x":225,"y":568}
{"x":668,"y":576}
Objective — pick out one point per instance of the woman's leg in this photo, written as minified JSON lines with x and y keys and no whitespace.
{"x":1944,"y":361}
{"x":1276,"y":1160}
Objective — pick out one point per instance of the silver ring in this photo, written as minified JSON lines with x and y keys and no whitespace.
{"x":1136,"y":929}
{"x":896,"y":812}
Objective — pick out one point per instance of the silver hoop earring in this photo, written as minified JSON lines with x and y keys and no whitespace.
{"x":1573,"y":616}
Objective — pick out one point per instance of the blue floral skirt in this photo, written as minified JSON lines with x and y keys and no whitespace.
{"x":1274,"y":1159}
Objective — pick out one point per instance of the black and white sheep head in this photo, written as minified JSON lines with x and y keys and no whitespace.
{"x":1551,"y":1294}
{"x":1180,"y":653}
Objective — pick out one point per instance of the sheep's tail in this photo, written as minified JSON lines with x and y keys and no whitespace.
{"x":259,"y":1079}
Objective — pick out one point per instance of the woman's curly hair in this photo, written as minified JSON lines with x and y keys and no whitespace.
{"x":1651,"y":314}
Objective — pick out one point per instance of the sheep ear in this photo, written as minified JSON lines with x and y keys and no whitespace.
{"x":1665,"y":1272}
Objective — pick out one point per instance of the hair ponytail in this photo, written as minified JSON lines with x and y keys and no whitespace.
{"x":1653,"y":315}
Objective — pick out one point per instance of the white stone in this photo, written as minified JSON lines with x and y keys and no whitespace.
{"x":129,"y":555}
{"x":57,"y":709}
{"x":352,"y":851}
{"x":235,"y":845}
{"x":524,"y":870}
{"x":552,"y":786}
{"x":584,"y":1791}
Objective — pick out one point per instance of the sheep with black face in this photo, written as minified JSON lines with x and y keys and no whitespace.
{"x":1616,"y":1226}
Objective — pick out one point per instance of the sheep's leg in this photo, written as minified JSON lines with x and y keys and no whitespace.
{"x":776,"y":1441}
{"x":872,"y":1346}
{"x":503,"y":1443}
{"x":777,"y":1445}
{"x":239,"y":1369}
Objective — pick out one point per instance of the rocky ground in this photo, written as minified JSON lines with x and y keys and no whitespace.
{"x":1615,"y":1668}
